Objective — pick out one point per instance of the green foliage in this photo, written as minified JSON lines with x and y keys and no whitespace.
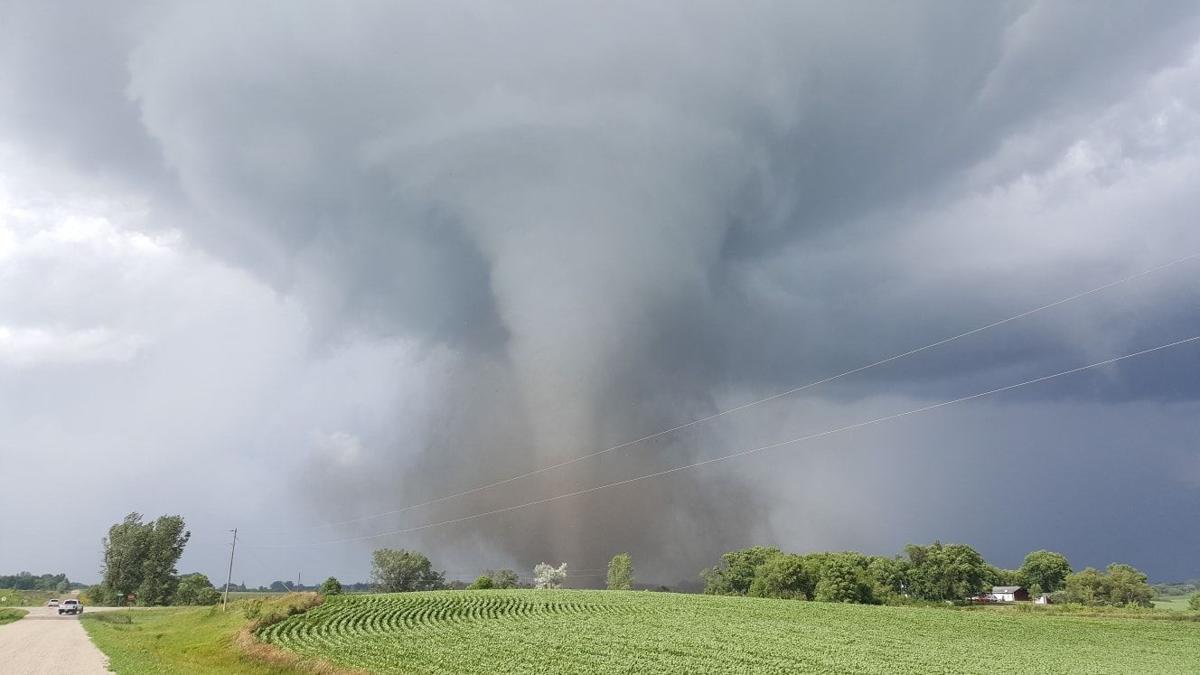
{"x":736,"y":572}
{"x":140,"y":558}
{"x":503,"y":578}
{"x":331,"y":586}
{"x":177,"y":640}
{"x":24,"y":581}
{"x":1043,"y":572}
{"x":620,"y":572}
{"x":575,"y":632}
{"x":482,"y":582}
{"x":844,"y":579}
{"x":8,"y":615}
{"x":946,"y":571}
{"x":1194,"y":602}
{"x":1119,"y":586}
{"x":398,"y":570}
{"x":195,"y":589}
{"x":784,"y":576}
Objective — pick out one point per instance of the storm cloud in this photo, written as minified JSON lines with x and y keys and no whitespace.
{"x":293,"y":264}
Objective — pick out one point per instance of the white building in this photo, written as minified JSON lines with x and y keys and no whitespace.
{"x":1009,"y":593}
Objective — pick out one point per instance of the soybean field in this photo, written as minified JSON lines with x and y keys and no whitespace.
{"x":566,"y":631}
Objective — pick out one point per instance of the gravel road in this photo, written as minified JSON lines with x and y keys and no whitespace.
{"x":44,"y":642}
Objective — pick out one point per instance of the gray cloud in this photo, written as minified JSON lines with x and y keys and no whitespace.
{"x":552,"y":228}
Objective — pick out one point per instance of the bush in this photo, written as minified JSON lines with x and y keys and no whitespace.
{"x":195,"y":589}
{"x":331,"y":586}
{"x":482,"y":582}
{"x":1194,"y":602}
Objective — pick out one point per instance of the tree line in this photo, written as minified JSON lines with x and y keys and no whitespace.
{"x":934,"y":573}
{"x":25,"y":581}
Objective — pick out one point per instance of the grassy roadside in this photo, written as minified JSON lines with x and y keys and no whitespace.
{"x":199,"y":639}
{"x":9,"y":615}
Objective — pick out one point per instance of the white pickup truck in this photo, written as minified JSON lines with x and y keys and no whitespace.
{"x":70,"y":607}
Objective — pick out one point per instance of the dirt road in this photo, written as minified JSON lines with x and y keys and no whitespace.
{"x":44,"y":642}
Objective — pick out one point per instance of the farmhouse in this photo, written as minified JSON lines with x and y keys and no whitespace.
{"x":1009,"y":593}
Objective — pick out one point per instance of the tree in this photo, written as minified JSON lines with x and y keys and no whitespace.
{"x":844,"y":581}
{"x":549,"y":576}
{"x":331,"y":586}
{"x":784,"y":576}
{"x":164,"y":546}
{"x":1119,"y":586}
{"x":195,"y":589}
{"x":481,"y":583}
{"x":737,"y":571}
{"x":398,"y":570}
{"x":1194,"y":602}
{"x":946,"y":572}
{"x":1044,"y":571}
{"x":1128,"y":586}
{"x":278,"y":586}
{"x":502,"y":578}
{"x":890,"y":576}
{"x":140,"y":558}
{"x":620,"y":572}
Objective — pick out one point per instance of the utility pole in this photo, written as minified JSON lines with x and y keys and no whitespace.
{"x":229,"y":577}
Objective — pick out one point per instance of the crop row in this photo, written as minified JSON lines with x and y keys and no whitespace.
{"x":607,"y":631}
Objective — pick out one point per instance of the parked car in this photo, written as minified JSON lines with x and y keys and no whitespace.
{"x":70,"y":607}
{"x":53,"y":602}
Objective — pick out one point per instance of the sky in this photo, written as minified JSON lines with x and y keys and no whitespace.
{"x":292,"y":267}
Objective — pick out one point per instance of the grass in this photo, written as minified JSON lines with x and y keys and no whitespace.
{"x":528,"y":631}
{"x":1175,"y":603}
{"x":196,"y":640}
{"x":9,"y":615}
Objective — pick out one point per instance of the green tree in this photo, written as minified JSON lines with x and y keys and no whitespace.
{"x":736,"y":573}
{"x":1128,"y":586}
{"x":164,"y":546}
{"x":1194,"y":602}
{"x":503,"y":578}
{"x":398,"y":570}
{"x":482,"y":582}
{"x":784,"y":576}
{"x":1044,"y":571}
{"x":1118,"y":586}
{"x":140,"y":558}
{"x":889,"y":575}
{"x":844,"y":581}
{"x":331,"y":586}
{"x":946,"y":571}
{"x":195,"y":589}
{"x":620,"y":572}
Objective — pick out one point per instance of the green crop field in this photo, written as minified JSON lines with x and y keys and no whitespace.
{"x":1178,"y":603}
{"x":528,"y":631}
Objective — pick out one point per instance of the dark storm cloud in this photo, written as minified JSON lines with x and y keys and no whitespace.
{"x":617,"y":217}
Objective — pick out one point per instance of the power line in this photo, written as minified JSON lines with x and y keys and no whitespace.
{"x":751,"y":451}
{"x":751,"y":404}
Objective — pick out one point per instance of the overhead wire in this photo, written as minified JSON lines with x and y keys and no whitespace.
{"x":744,"y":406}
{"x":744,"y":453}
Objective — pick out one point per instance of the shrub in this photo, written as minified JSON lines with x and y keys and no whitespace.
{"x":331,"y":586}
{"x":1194,"y":602}
{"x":195,"y":589}
{"x":482,"y":582}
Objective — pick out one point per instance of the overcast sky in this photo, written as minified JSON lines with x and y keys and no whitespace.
{"x":281,"y":265}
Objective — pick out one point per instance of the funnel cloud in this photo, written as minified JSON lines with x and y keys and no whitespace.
{"x":289,"y":266}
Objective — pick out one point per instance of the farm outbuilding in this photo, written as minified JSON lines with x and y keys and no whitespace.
{"x":1009,"y":594}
